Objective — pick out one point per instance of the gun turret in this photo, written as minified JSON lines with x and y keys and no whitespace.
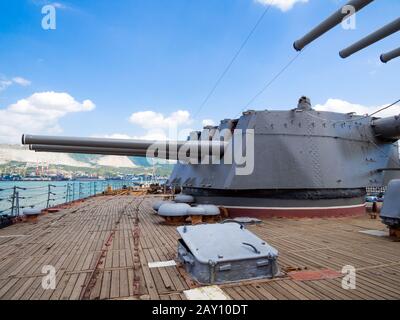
{"x":295,"y":162}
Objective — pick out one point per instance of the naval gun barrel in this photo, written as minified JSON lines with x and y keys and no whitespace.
{"x":86,"y":150}
{"x":124,"y":147}
{"x":386,"y":57}
{"x":167,"y":154}
{"x":383,"y":32}
{"x":387,"y":128}
{"x":87,"y":142}
{"x":330,"y":23}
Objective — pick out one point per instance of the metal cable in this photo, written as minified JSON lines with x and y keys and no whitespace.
{"x":31,"y":188}
{"x":33,"y":205}
{"x":57,"y":195}
{"x":270,"y":82}
{"x":37,"y":195}
{"x":5,"y":210}
{"x":6,"y":189}
{"x":384,"y":108}
{"x":223,"y":74}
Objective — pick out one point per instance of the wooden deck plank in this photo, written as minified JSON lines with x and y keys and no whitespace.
{"x":73,"y":239}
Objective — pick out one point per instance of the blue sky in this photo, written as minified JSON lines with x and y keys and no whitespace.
{"x":112,"y":59}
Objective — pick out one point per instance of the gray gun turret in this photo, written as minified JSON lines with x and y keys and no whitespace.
{"x":305,"y":162}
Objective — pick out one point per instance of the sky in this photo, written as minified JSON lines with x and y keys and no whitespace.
{"x":131,"y":68}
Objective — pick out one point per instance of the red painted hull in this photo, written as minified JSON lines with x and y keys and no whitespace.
{"x":296,"y":212}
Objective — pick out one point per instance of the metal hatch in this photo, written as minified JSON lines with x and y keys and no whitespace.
{"x":218,"y":253}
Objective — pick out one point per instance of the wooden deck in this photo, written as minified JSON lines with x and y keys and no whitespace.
{"x":101,"y":249}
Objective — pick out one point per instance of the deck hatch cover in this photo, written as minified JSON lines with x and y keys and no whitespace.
{"x":218,"y":253}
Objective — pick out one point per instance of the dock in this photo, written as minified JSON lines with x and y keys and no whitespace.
{"x":101,"y":249}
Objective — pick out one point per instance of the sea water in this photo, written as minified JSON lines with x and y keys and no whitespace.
{"x":35,"y":194}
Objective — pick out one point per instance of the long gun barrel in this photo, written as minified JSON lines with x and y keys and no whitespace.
{"x":387,"y":128}
{"x":330,"y":23}
{"x":89,"y":142}
{"x":121,"y":147}
{"x":158,"y":153}
{"x":86,"y":150}
{"x":372,"y":38}
{"x":386,"y":57}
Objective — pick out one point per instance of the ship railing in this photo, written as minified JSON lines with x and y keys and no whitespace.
{"x":13,"y":200}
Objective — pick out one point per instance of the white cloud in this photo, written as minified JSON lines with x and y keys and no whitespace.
{"x":151,"y":135}
{"x":151,"y":119}
{"x":5,"y":83}
{"x":161,"y":127}
{"x":22,"y":81}
{"x":342,"y":106}
{"x":157,"y":126}
{"x":283,"y":5}
{"x":208,"y":122}
{"x":114,"y":136}
{"x":38,"y":113}
{"x":57,"y":5}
